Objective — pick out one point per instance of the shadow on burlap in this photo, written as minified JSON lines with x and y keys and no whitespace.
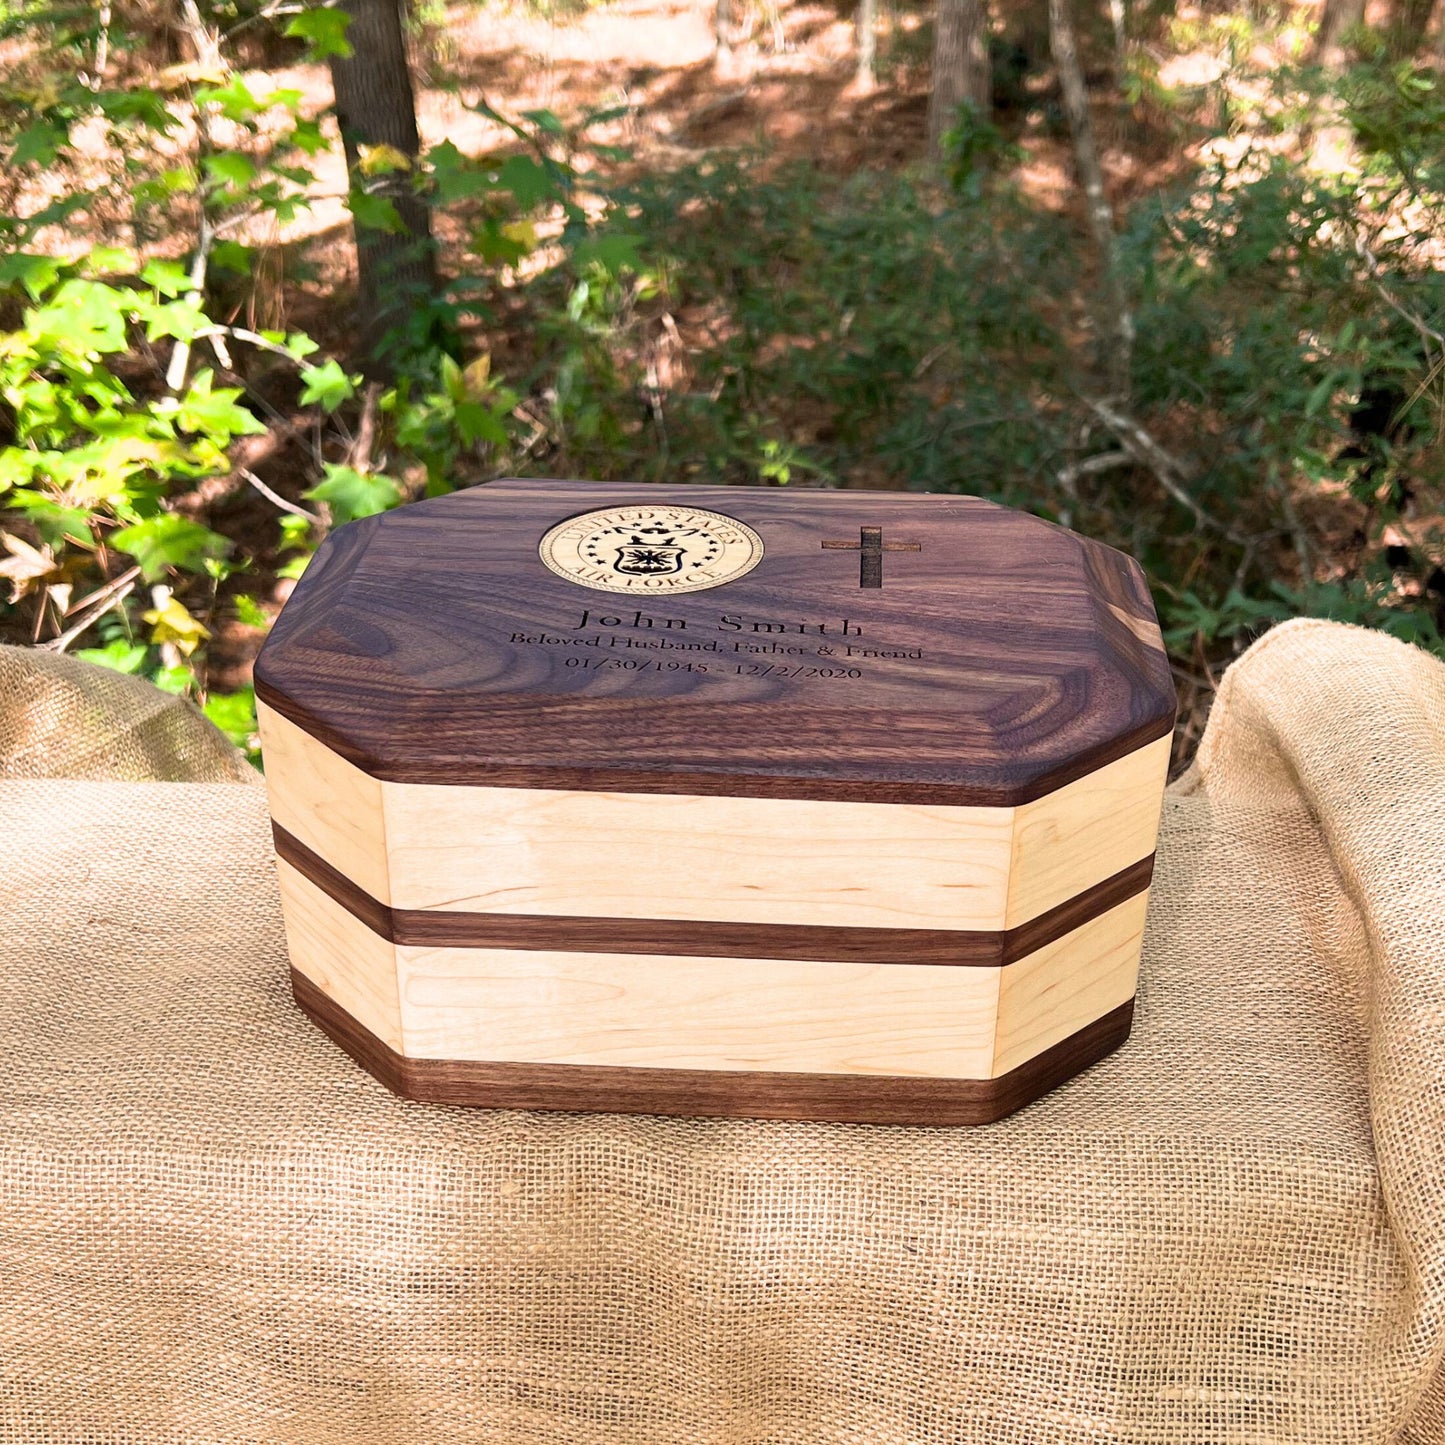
{"x":214,"y":1228}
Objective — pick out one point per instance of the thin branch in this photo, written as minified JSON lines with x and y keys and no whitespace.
{"x":96,"y":79}
{"x":1168,"y":472}
{"x":361,"y":448}
{"x":105,"y":598}
{"x":1092,"y":466}
{"x":1068,"y":478}
{"x":275,"y":498}
{"x":1065,"y":46}
{"x":208,"y":51}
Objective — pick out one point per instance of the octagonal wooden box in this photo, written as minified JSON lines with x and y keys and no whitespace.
{"x":698,"y":800}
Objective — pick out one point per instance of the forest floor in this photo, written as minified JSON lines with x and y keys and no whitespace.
{"x":789,"y":90}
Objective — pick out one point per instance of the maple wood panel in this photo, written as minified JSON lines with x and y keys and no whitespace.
{"x":341,"y":955}
{"x":746,"y":1094}
{"x":699,"y":1012}
{"x":1053,"y":992}
{"x":735,"y":860}
{"x":325,"y":803}
{"x":589,"y":934}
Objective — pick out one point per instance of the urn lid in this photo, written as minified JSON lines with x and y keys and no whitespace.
{"x":840,"y":645}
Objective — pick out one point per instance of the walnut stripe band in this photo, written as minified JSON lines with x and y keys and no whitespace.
{"x":822,"y":943}
{"x":601,"y":1088}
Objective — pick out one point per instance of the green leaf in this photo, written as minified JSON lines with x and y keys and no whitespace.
{"x":324,"y":30}
{"x":37,"y":274}
{"x":175,"y":680}
{"x":38,"y":144}
{"x":295,"y":532}
{"x":326,"y":385}
{"x":249,"y":612}
{"x":236,"y":99}
{"x":235,"y":714}
{"x":293,"y":567}
{"x":85,"y":317}
{"x":351,"y":494}
{"x":1320,"y":396}
{"x":477,"y":423}
{"x":118,"y":656}
{"x":55,"y":522}
{"x":614,"y":253}
{"x":529,"y":181}
{"x":167,"y":541}
{"x":298,"y":343}
{"x":169,"y":278}
{"x":109,"y":261}
{"x":545,"y":120}
{"x":230,"y":168}
{"x":215,"y":414}
{"x":308,"y":137}
{"x":375,"y":213}
{"x":182,"y":319}
{"x":231,"y":256}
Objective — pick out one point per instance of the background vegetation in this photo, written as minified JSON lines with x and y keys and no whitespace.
{"x":1168,"y":274}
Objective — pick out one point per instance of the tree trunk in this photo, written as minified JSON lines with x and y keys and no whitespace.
{"x":1064,"y":43}
{"x":1337,"y":19}
{"x":867,"y":23}
{"x":1409,"y":20}
{"x":375,"y":107}
{"x":723,"y":35}
{"x":960,"y":67}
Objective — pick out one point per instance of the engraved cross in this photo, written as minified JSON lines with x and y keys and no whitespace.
{"x":870,"y":548}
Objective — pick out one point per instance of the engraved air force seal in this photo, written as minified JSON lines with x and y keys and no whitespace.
{"x":653,"y":549}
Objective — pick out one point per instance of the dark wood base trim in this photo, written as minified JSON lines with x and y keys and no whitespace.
{"x":435,"y":928}
{"x":598,"y":1088}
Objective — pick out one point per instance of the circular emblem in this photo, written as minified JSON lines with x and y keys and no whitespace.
{"x":651,"y":549}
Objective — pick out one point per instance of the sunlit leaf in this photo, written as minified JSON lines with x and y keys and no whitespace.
{"x":118,"y":656}
{"x":230,"y":168}
{"x":169,"y":278}
{"x":308,"y":137}
{"x":235,"y":714}
{"x":37,"y":274}
{"x":215,"y":414}
{"x":326,"y":385}
{"x":351,"y":494}
{"x":249,"y":612}
{"x":380,"y":160}
{"x":323,"y":27}
{"x":172,"y":623}
{"x":168,"y":541}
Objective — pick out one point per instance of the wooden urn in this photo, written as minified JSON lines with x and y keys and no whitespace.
{"x":717,"y":801}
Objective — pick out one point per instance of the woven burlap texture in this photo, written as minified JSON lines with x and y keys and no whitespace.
{"x":215,"y":1228}
{"x":62,"y":718}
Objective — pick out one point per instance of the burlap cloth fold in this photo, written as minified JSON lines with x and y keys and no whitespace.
{"x":214,"y":1228}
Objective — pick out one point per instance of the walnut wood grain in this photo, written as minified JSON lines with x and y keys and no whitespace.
{"x":1039,"y":654}
{"x":590,"y":1088}
{"x":982,"y":949}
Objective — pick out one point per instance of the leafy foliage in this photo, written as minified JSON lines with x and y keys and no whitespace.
{"x":171,"y":451}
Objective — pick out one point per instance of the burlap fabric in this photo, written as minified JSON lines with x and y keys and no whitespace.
{"x":214,"y":1228}
{"x":62,"y":718}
